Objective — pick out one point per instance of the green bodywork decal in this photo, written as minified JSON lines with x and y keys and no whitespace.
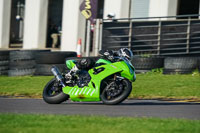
{"x":103,"y":61}
{"x":87,"y":93}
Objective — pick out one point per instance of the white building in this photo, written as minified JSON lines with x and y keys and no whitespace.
{"x":26,"y":23}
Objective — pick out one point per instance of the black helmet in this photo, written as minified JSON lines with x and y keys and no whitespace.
{"x":126,"y":53}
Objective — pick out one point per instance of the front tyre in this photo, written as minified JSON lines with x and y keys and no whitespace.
{"x":115,"y":93}
{"x":53,"y":94}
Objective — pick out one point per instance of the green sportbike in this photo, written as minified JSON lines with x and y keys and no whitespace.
{"x":111,"y":83}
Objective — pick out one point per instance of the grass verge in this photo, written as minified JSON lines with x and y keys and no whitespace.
{"x":156,"y":85}
{"x":18,"y":123}
{"x":29,"y":86}
{"x":150,"y":85}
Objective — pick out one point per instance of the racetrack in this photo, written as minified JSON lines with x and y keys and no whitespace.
{"x":132,"y":108}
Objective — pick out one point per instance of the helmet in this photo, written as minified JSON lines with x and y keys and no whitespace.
{"x":126,"y":53}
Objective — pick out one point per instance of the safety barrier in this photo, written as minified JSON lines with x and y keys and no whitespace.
{"x":154,"y":36}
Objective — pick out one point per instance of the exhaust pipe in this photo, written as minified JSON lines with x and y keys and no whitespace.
{"x":58,"y":75}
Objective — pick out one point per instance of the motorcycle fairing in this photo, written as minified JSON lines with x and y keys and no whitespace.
{"x":92,"y":91}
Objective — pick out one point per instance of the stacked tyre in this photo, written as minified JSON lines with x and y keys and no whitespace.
{"x":4,"y":62}
{"x":45,"y":61}
{"x":180,"y":65}
{"x":22,"y":62}
{"x":143,"y":65}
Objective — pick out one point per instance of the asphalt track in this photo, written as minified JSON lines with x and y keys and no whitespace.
{"x":129,"y":108}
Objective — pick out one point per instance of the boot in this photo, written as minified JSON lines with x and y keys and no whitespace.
{"x":71,"y":73}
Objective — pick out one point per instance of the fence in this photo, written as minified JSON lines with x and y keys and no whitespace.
{"x":180,"y":36}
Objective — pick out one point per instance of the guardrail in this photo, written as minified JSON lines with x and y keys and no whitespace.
{"x":153,"y":35}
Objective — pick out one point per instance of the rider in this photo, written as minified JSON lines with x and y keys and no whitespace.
{"x":108,"y":55}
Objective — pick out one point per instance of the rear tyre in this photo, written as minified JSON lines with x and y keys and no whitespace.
{"x":116,"y":93}
{"x":53,"y":94}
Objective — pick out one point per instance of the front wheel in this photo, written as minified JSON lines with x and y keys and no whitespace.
{"x":116,"y":92}
{"x":53,"y":94}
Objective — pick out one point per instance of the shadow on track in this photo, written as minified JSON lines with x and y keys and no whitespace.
{"x":158,"y":103}
{"x":136,"y":103}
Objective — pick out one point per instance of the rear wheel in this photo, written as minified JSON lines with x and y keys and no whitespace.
{"x":53,"y":94}
{"x":116,"y":91}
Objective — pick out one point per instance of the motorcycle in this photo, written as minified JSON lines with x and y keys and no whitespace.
{"x":110,"y":83}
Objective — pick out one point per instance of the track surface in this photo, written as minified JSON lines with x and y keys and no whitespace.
{"x":133,"y":108}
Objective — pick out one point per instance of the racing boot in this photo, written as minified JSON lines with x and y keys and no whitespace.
{"x":69,"y":76}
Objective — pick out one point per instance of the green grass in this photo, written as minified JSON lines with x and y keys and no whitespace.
{"x":150,"y":85}
{"x":18,"y":123}
{"x":23,"y":86}
{"x":156,"y":85}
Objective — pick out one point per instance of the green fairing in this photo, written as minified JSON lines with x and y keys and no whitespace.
{"x":103,"y":61}
{"x":92,"y":93}
{"x":70,"y":64}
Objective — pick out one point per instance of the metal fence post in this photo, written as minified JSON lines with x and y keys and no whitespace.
{"x":96,"y":47}
{"x":188,"y":36}
{"x":130,"y":33}
{"x":100,"y":33}
{"x":88,"y":39}
{"x":159,"y":36}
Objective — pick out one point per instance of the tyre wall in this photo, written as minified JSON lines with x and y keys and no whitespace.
{"x":22,"y":62}
{"x":39,"y":62}
{"x":180,"y":65}
{"x":143,"y":64}
{"x":4,"y":62}
{"x":45,"y":61}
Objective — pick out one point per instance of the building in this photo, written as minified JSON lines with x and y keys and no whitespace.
{"x":30,"y":23}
